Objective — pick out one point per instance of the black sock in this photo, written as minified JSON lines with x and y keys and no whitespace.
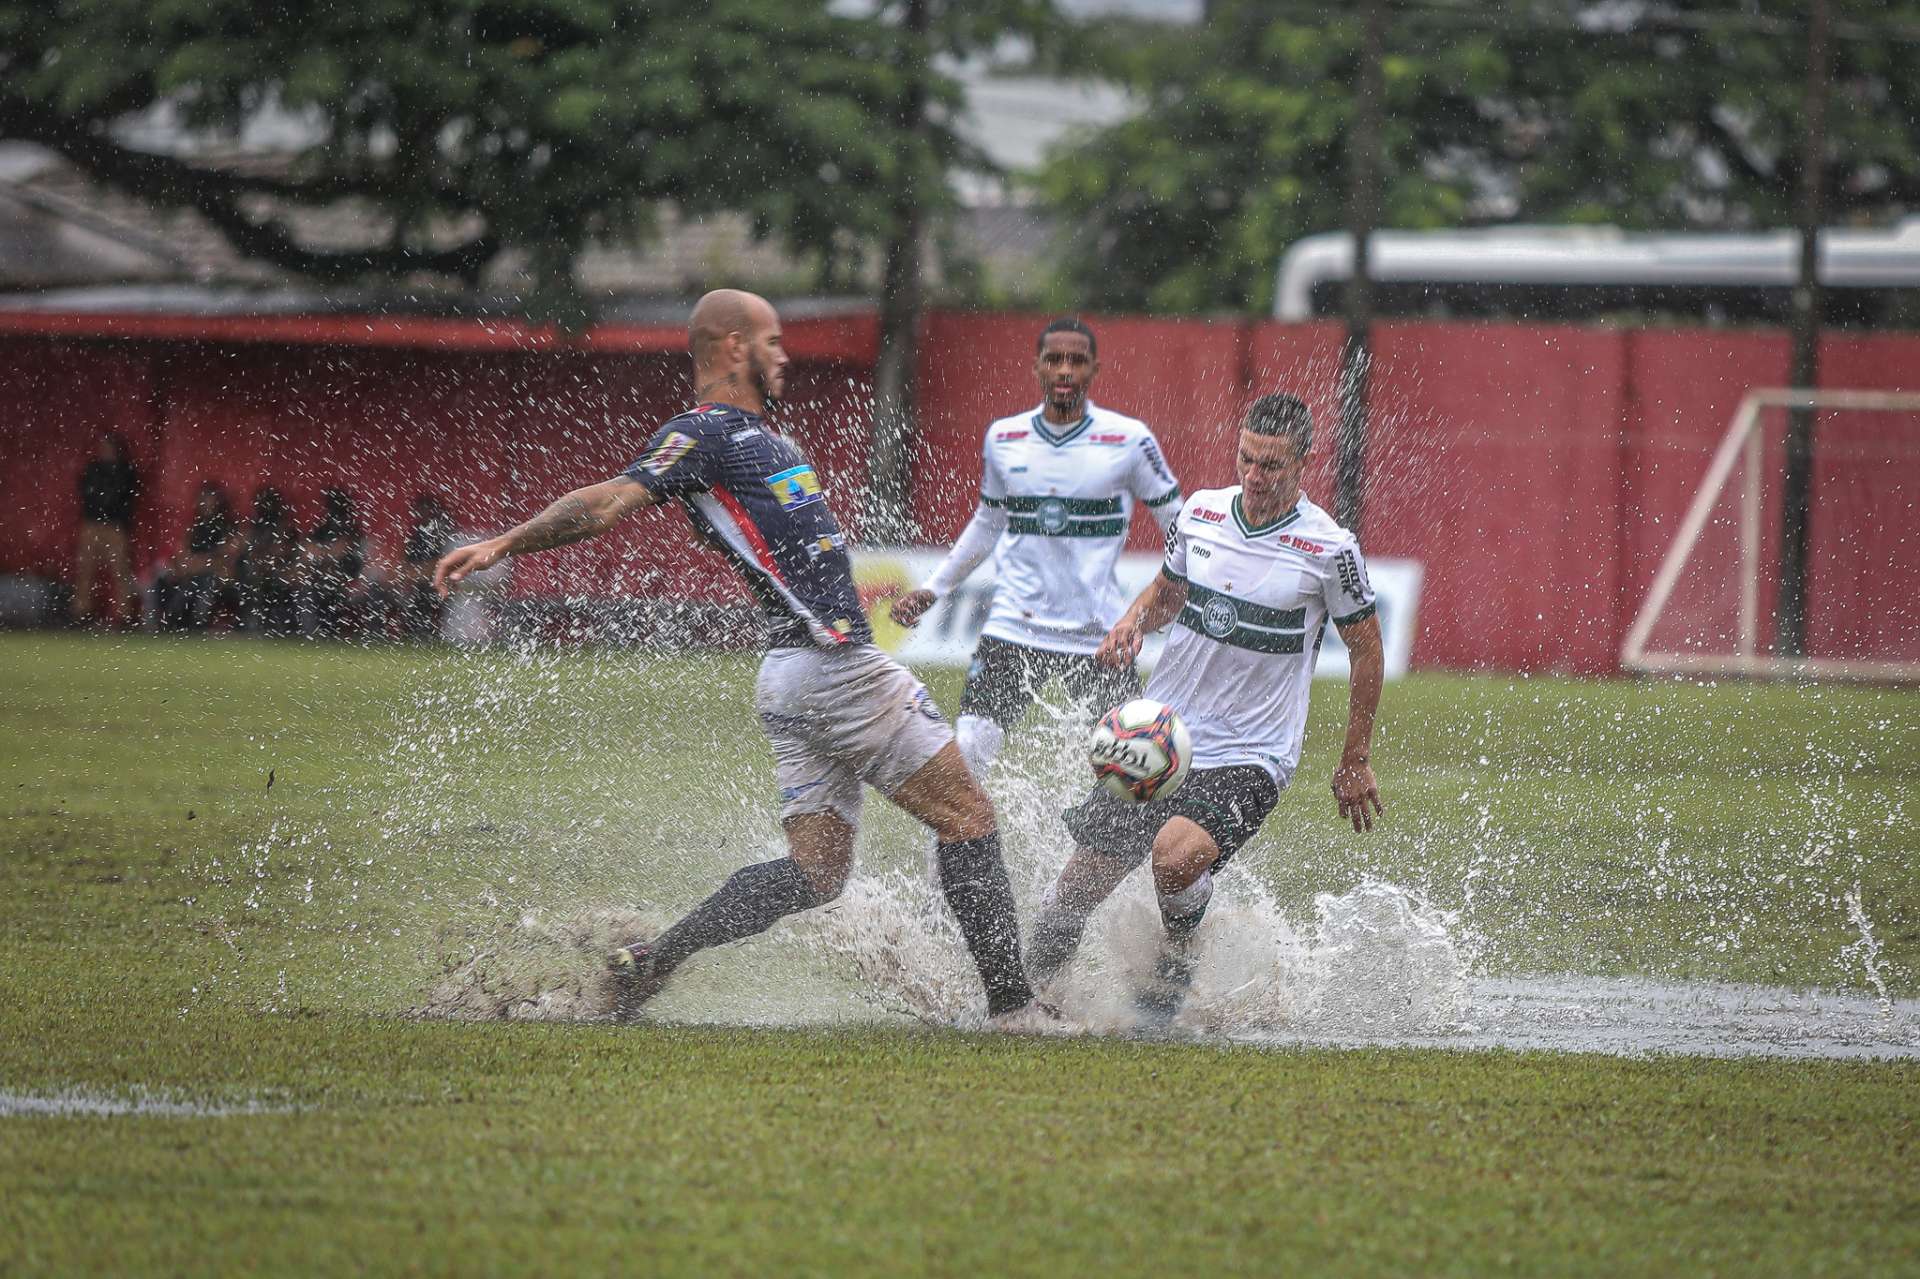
{"x":753,"y":899}
{"x":975,"y":880}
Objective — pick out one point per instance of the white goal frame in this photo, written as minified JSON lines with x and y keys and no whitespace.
{"x":1744,"y":444}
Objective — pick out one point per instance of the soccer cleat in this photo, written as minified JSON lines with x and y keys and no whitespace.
{"x":1031,"y":1018}
{"x":1159,"y":1003}
{"x":631,"y":970}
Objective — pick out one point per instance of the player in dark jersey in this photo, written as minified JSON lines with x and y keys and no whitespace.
{"x":839,"y":711}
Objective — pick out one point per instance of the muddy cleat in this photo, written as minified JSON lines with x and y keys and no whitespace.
{"x":1032,"y":1018}
{"x":631,"y":970}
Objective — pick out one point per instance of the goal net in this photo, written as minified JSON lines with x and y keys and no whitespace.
{"x":1712,"y":606}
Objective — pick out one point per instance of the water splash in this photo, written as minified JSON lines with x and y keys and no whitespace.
{"x":1867,"y":949}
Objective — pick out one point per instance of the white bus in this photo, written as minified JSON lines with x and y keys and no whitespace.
{"x":1585,"y":273}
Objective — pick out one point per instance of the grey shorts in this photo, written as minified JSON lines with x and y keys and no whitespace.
{"x":838,"y":717}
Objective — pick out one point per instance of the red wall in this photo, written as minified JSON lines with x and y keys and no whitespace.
{"x":1539,"y":472}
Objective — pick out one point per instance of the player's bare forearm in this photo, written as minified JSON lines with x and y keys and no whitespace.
{"x":1354,"y":788}
{"x":1159,"y":604}
{"x":1367,"y":661}
{"x":1156,"y":606}
{"x":581,"y":514}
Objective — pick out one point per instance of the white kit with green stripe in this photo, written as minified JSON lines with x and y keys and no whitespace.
{"x":1238,"y":664}
{"x":1068,"y":493}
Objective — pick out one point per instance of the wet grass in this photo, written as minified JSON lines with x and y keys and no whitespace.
{"x":170,"y":921}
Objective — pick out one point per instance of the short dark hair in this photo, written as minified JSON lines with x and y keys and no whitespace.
{"x":1282,"y":415}
{"x":1068,"y":324}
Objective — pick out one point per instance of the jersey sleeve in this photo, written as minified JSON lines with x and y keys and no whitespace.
{"x":1349,"y":594}
{"x":1174,"y":566}
{"x":1152,"y":481}
{"x":681,"y":458}
{"x":993,"y":485}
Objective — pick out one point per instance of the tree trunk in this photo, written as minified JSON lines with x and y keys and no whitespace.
{"x":888,"y":517}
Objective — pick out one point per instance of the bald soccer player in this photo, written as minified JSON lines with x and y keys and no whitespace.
{"x":840,"y":713}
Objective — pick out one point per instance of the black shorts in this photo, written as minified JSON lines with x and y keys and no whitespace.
{"x":1005,"y":678}
{"x":1228,"y":803}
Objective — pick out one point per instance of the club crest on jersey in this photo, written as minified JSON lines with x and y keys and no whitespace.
{"x":1051,"y":515}
{"x":1219,"y":617}
{"x":795,"y":487}
{"x":671,"y":448}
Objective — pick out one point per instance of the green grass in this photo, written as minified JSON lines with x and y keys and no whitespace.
{"x":169,"y":922}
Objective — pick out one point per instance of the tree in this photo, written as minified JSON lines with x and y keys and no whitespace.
{"x":1676,"y":115}
{"x":928,"y":29}
{"x":467,"y":127}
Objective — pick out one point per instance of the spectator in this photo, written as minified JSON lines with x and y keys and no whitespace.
{"x":193,"y":584}
{"x":429,"y":536}
{"x":336,"y":554}
{"x":109,"y":490}
{"x":268,"y":572}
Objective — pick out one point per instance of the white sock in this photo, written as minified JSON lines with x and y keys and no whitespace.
{"x":980,"y":742}
{"x":1189,"y":901}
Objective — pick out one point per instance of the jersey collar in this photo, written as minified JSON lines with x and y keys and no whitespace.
{"x":1248,"y":530}
{"x":1058,"y":435}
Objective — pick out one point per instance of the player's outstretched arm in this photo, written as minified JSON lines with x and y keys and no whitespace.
{"x":976,"y":543}
{"x":1159,"y":604}
{"x":1354,"y":787}
{"x":583,"y":513}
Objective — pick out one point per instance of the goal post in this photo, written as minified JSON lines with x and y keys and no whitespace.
{"x":1720,"y":627}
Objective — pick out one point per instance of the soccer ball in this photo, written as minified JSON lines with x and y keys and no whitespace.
{"x":1140,"y":751}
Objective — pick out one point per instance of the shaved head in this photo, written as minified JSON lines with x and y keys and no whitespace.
{"x":721,"y":313}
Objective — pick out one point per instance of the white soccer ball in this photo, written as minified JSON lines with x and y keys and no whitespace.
{"x":1141,"y":751}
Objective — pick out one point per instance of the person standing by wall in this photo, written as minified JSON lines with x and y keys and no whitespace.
{"x":109,"y":492}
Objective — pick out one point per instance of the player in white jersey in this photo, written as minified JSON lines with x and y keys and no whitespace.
{"x":1252,"y":576}
{"x":1057,"y":489}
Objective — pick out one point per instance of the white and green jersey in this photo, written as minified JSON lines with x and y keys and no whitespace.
{"x":1068,"y":493}
{"x":1238,"y":664}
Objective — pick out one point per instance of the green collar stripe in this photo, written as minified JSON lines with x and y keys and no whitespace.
{"x":1027,"y":504}
{"x":1245,"y":612}
{"x":1248,"y":530}
{"x":1045,"y":429}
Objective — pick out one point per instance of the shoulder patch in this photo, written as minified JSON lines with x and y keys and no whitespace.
{"x":1002,"y":437}
{"x":673,"y":446}
{"x":1210,"y":515}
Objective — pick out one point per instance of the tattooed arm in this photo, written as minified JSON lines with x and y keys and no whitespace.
{"x":583,"y":513}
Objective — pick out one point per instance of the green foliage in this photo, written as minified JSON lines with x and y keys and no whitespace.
{"x":475,"y":126}
{"x":1685,"y":116}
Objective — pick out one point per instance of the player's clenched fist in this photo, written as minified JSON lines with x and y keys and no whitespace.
{"x":911,"y":607}
{"x":456,"y":565}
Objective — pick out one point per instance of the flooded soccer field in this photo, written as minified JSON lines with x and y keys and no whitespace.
{"x":336,"y":916}
{"x":433,"y":831}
